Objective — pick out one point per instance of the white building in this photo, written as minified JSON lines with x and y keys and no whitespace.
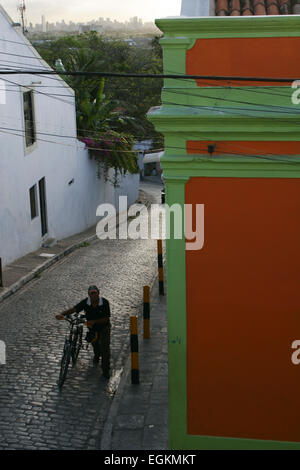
{"x":48,"y":184}
{"x":197,"y":8}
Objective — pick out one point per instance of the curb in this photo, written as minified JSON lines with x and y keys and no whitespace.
{"x":35,"y":272}
{"x":105,"y":442}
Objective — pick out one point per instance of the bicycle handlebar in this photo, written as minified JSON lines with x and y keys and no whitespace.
{"x":77,"y":320}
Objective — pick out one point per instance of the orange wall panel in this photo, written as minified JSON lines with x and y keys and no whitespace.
{"x":244,"y":148}
{"x":243,"y":309}
{"x":244,"y":57}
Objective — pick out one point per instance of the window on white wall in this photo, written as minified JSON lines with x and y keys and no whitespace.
{"x":33,"y":201}
{"x":30,"y":135}
{"x":43,"y":206}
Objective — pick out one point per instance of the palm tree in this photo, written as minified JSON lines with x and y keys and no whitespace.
{"x":100,"y":121}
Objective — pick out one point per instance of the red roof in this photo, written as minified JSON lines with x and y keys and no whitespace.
{"x":257,"y":7}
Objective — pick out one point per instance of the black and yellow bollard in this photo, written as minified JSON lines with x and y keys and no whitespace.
{"x":160,"y":267}
{"x":146,"y":312}
{"x":134,"y":346}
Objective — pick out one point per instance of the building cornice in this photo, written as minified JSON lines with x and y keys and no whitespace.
{"x":230,"y":125}
{"x":230,"y":26}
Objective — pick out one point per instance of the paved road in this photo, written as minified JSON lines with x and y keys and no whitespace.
{"x":33,"y":413}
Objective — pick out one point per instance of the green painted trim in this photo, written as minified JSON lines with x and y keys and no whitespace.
{"x":234,"y":173}
{"x":213,"y":160}
{"x":179,"y":439}
{"x":229,"y":134}
{"x":189,"y":442}
{"x":232,"y":124}
{"x":264,"y":98}
{"x":231,"y":27}
{"x":232,"y":115}
{"x":229,"y":167}
{"x":176,"y":312}
{"x":174,"y":54}
{"x":182,"y":122}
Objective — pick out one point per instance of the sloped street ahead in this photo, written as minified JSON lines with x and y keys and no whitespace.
{"x":34,"y":414}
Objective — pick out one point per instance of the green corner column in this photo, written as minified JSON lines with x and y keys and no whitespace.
{"x":176,"y":311}
{"x":207,"y":113}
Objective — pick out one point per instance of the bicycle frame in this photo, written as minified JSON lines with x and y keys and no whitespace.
{"x":72,"y":345}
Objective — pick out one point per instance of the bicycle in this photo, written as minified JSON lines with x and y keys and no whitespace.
{"x":72,"y":346}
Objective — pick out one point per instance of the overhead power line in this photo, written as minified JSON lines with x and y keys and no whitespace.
{"x":202,"y":148}
{"x":147,"y":75}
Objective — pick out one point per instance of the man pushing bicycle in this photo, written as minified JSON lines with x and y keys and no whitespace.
{"x":97,"y":313}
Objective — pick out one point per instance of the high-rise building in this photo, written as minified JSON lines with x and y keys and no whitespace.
{"x":44,"y":25}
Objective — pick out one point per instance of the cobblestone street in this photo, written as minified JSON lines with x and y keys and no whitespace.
{"x":34,"y":414}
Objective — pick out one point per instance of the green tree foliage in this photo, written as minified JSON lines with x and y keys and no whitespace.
{"x":111,"y":113}
{"x":134,"y":96}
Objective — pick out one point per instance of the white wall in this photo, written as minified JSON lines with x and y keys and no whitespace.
{"x":197,"y":8}
{"x":57,"y":155}
{"x":82,"y":198}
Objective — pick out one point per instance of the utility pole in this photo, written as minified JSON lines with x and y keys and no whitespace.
{"x":22,"y":9}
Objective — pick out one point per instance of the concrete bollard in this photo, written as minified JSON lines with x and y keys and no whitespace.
{"x":134,"y":347}
{"x":146,"y":312}
{"x":160,"y":267}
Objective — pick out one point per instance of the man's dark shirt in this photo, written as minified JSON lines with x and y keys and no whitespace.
{"x":94,"y":313}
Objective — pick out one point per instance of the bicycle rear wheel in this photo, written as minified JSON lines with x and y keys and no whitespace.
{"x":65,"y":361}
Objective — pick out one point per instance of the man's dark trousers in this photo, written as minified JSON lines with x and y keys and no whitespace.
{"x":102,"y":348}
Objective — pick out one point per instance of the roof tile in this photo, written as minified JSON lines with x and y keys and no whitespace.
{"x":235,"y":8}
{"x":296,"y":7}
{"x":257,"y":7}
{"x":222,"y":7}
{"x":273,"y":7}
{"x":246,"y":8}
{"x":285,"y":7}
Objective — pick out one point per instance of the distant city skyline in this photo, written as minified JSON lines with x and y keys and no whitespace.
{"x":88,"y":10}
{"x":100,"y":25}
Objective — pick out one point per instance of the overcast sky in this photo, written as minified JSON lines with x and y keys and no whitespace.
{"x":86,"y":10}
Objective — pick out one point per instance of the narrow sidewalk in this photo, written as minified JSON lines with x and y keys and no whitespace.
{"x":138,"y":417}
{"x":21,"y":271}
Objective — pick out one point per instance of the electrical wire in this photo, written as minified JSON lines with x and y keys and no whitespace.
{"x":106,"y":139}
{"x":234,"y":111}
{"x":14,"y":65}
{"x":275,"y":107}
{"x":172,"y":91}
{"x":267,"y":89}
{"x":37,"y":139}
{"x":23,"y":56}
{"x":265,"y":156}
{"x":33,"y":87}
{"x":41,"y":93}
{"x":224,"y":109}
{"x":17,"y":42}
{"x":156,"y":76}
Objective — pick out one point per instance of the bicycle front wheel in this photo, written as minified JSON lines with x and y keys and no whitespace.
{"x":76,"y":346}
{"x":65,"y":361}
